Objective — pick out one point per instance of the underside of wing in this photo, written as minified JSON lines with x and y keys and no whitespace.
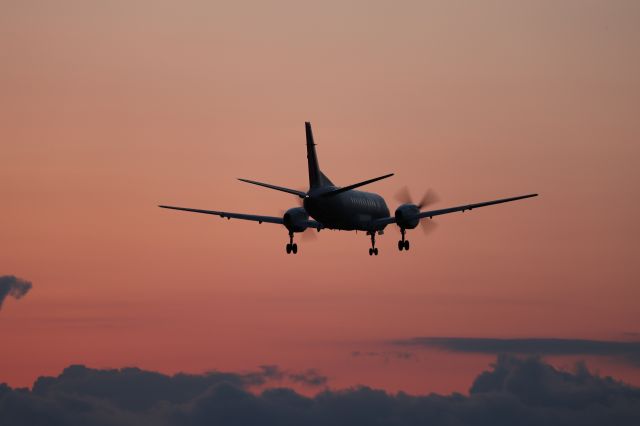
{"x":472,"y":206}
{"x":229,"y":215}
{"x":378,"y":223}
{"x":314,"y":224}
{"x":389,"y":220}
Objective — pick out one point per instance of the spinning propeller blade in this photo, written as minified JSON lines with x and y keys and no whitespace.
{"x":309,"y":235}
{"x":428,"y":226}
{"x":428,"y":198}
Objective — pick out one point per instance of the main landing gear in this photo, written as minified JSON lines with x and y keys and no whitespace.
{"x":403,"y":244}
{"x":291,"y":246}
{"x":373,"y":250}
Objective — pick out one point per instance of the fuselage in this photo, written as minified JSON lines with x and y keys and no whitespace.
{"x":350,"y":210}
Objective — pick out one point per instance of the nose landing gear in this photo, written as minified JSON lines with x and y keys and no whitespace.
{"x":403,"y":244}
{"x":291,"y":246}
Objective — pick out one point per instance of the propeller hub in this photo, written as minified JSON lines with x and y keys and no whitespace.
{"x":407,"y":216}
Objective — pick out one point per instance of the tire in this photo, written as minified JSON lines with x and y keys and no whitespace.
{"x":406,"y":245}
{"x":400,"y":245}
{"x":288,"y":248}
{"x":294,"y":248}
{"x":375,"y":251}
{"x":370,"y":251}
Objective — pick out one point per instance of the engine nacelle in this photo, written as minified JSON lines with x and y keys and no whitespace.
{"x":295,"y":219}
{"x":407,"y":216}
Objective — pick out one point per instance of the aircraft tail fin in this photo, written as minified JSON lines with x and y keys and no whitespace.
{"x":316,"y":177}
{"x":326,"y":180}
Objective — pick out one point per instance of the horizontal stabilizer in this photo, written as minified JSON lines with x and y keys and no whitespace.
{"x":355,"y":185}
{"x":300,"y":194}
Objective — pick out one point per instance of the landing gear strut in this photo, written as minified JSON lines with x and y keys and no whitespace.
{"x":291,"y":246}
{"x":403,"y":244}
{"x":373,"y":250}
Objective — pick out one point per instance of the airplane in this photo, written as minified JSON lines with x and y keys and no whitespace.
{"x":327,"y":206}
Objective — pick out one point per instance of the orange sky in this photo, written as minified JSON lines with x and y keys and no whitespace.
{"x":110,"y":109}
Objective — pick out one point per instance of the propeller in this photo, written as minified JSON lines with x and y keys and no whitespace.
{"x":428,"y":225}
{"x":429,"y":197}
{"x":309,"y":235}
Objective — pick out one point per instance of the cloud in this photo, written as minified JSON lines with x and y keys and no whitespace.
{"x":627,"y":351}
{"x":311,"y":377}
{"x":265,"y":374}
{"x":135,"y":389}
{"x":270,"y":373}
{"x":385,"y":355}
{"x":523,"y":391}
{"x":13,"y":286}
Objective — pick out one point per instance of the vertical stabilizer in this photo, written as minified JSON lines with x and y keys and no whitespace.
{"x":315,"y":176}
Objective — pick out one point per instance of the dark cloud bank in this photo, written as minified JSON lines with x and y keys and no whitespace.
{"x":384,"y":355}
{"x":515,"y":391}
{"x":628,"y":352}
{"x":12,"y":286}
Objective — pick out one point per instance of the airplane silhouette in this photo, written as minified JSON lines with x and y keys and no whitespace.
{"x":327,"y":206}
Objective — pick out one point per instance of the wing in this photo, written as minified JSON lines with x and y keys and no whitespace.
{"x":228,"y":215}
{"x":473,"y":206}
{"x":314,"y":224}
{"x":431,"y":213}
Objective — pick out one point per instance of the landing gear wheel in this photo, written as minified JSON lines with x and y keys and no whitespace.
{"x":403,"y":244}
{"x":373,"y":250}
{"x":291,"y":247}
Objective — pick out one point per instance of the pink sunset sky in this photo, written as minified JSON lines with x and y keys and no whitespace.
{"x":109,"y":109}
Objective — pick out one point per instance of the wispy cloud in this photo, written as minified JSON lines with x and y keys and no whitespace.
{"x":272,"y":373}
{"x":384,"y":355}
{"x":310,"y":377}
{"x":628,"y":351}
{"x":13,"y":286}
